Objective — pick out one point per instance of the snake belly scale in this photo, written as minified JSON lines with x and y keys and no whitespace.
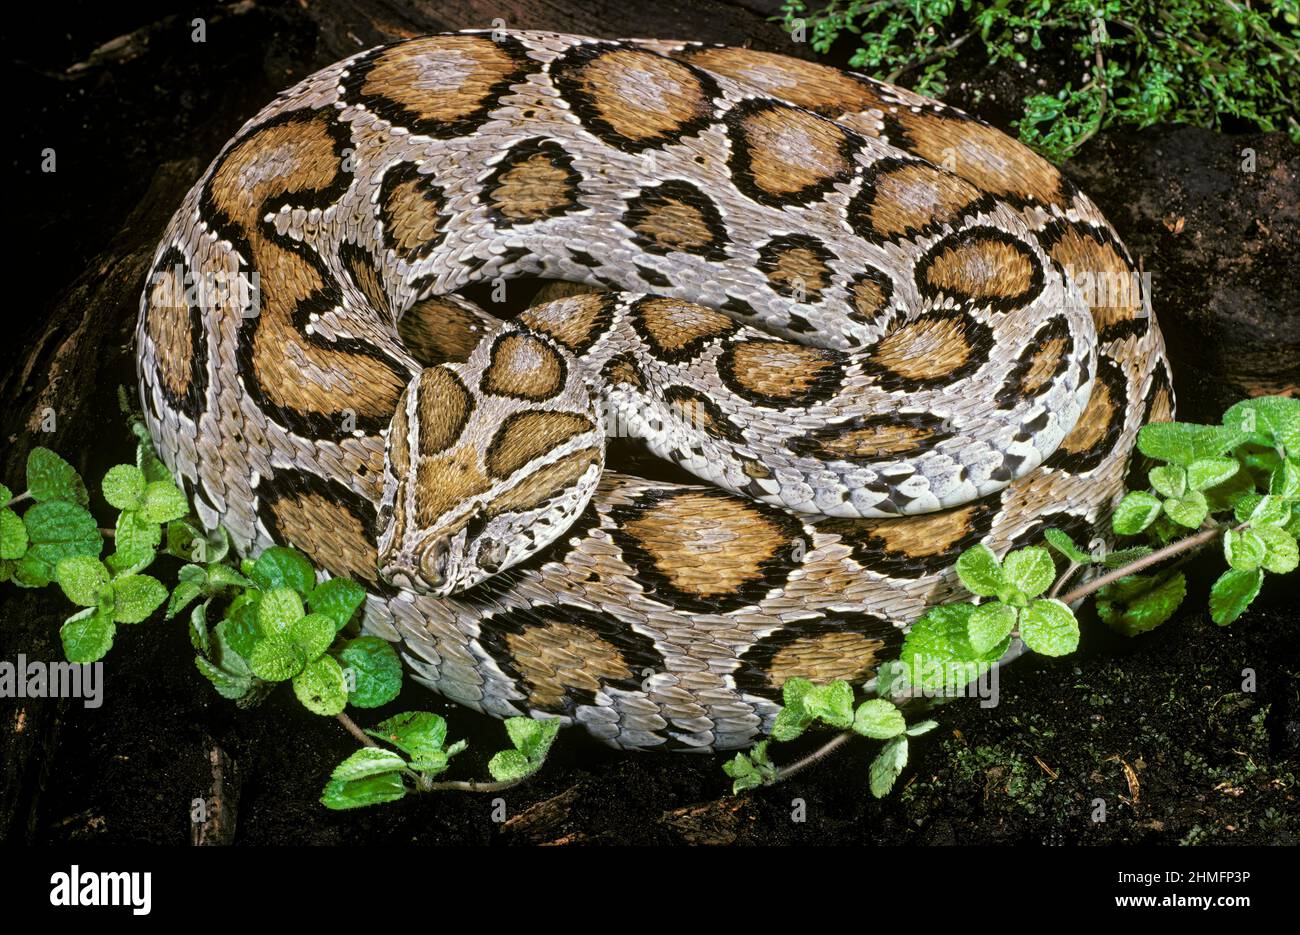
{"x":855,"y":314}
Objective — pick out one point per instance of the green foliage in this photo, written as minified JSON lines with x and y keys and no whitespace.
{"x":1195,"y":61}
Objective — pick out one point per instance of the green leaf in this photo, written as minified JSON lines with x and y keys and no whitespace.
{"x":337,"y":598}
{"x":419,"y":734}
{"x":510,"y":766}
{"x":990,"y":625}
{"x":162,"y":502}
{"x":280,"y":608}
{"x":1232,"y":594}
{"x":5,"y":495}
{"x":1122,"y":557}
{"x":199,"y":629}
{"x":938,"y":653}
{"x":320,"y":686}
{"x":280,"y":567}
{"x":135,"y":597}
{"x":1269,"y":420}
{"x":832,"y":703}
{"x":276,"y":659}
{"x":921,"y":727}
{"x":1210,"y":472}
{"x":57,"y":530}
{"x":373,"y":790}
{"x":135,"y":536}
{"x":81,"y":577}
{"x":888,"y":766}
{"x":1061,"y":541}
{"x":368,"y":761}
{"x":223,"y":576}
{"x":1029,"y":570}
{"x":87,"y":636}
{"x":227,"y":684}
{"x":1282,"y":553}
{"x":1182,"y":443}
{"x":743,"y":772}
{"x":376,"y":670}
{"x":1141,"y":610}
{"x":878,"y":719}
{"x":1048,"y":627}
{"x":124,"y":486}
{"x":182,"y":595}
{"x":790,"y":723}
{"x":1135,"y":513}
{"x":186,"y":540}
{"x":1244,"y":550}
{"x":50,"y":478}
{"x":313,"y":633}
{"x":1270,"y":511}
{"x":240,"y":628}
{"x":1169,"y":479}
{"x":793,"y":691}
{"x":1285,"y":481}
{"x":979,"y":571}
{"x":13,"y":534}
{"x":1189,"y":510}
{"x":532,"y":737}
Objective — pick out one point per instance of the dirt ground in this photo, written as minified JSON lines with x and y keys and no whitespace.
{"x":1157,"y":731}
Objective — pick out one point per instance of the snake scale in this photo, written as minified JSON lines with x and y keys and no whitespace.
{"x":861,"y":316}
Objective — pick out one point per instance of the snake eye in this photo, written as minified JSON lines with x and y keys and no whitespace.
{"x":385,"y":516}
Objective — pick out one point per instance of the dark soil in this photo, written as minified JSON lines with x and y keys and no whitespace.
{"x":1158,"y":729}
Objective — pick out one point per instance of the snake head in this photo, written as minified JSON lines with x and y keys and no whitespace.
{"x":487,"y":462}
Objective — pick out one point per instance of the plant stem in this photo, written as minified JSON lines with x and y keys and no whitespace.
{"x":1146,"y":561}
{"x":1066,"y":575}
{"x":471,"y":785}
{"x":25,"y":495}
{"x":785,"y":772}
{"x":355,"y":731}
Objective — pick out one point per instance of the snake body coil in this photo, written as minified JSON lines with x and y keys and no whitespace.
{"x":871,"y":323}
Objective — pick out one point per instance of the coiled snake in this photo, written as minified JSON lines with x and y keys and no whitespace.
{"x":863,"y":317}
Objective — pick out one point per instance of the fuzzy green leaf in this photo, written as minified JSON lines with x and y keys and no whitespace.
{"x":56,"y":530}
{"x":1244,"y":550}
{"x":938,"y":654}
{"x":50,"y":478}
{"x":419,"y":734}
{"x":1061,"y":541}
{"x":1169,"y":480}
{"x":990,"y":625}
{"x":1282,"y":554}
{"x":888,"y":766}
{"x":321,"y":688}
{"x":1143,"y":610}
{"x":1210,"y":472}
{"x":1048,"y":627}
{"x":1189,"y":510}
{"x":81,"y":578}
{"x":878,"y":719}
{"x":337,"y":598}
{"x":979,"y":570}
{"x":87,"y":636}
{"x":13,"y":534}
{"x":1182,"y":443}
{"x":793,"y":691}
{"x":832,"y":703}
{"x":1270,"y":511}
{"x":162,"y":502}
{"x":278,"y":610}
{"x":199,"y":637}
{"x":533,"y":737}
{"x":135,"y":597}
{"x":510,"y":766}
{"x":223,"y":576}
{"x":376,"y":670}
{"x":313,"y":633}
{"x":1269,"y":420}
{"x":790,"y":722}
{"x":280,"y":567}
{"x":1029,"y":570}
{"x":368,"y":761}
{"x":276,"y":659}
{"x":228,"y":685}
{"x":124,"y":486}
{"x":373,"y":790}
{"x":1232,"y":594}
{"x":1285,"y":480}
{"x":1135,"y":513}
